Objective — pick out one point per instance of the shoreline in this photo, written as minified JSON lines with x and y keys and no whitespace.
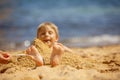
{"x":23,"y":45}
{"x":86,"y":41}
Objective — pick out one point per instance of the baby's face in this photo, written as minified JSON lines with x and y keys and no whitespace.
{"x":47,"y":35}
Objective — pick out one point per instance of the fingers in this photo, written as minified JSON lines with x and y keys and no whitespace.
{"x":6,"y":56}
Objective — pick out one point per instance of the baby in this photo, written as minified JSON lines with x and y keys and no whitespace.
{"x":48,"y":33}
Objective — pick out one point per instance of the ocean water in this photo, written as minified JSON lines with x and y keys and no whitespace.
{"x":81,"y":23}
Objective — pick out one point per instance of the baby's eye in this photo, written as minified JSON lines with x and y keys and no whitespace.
{"x":42,"y":34}
{"x":50,"y":32}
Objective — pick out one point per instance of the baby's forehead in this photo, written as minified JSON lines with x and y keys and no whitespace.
{"x":44,"y":28}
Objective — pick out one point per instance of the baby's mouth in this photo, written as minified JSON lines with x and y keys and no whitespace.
{"x":47,"y":41}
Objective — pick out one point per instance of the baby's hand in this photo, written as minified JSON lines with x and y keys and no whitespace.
{"x":4,"y":57}
{"x":61,"y":47}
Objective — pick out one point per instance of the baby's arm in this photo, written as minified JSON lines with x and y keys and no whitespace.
{"x":67,"y":49}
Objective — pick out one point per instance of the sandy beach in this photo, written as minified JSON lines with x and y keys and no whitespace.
{"x":92,"y":63}
{"x":91,"y":28}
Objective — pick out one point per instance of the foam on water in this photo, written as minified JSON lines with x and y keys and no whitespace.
{"x":100,"y":40}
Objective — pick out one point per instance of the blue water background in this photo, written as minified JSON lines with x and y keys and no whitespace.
{"x":76,"y":19}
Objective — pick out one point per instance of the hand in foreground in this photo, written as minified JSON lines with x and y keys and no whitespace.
{"x":4,"y":57}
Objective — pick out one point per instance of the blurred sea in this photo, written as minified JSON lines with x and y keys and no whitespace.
{"x":81,"y":23}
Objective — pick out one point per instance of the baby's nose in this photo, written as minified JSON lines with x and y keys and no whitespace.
{"x":46,"y":33}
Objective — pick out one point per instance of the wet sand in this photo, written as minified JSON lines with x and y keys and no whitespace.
{"x":93,"y":63}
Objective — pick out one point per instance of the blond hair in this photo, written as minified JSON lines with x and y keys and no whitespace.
{"x":50,"y":24}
